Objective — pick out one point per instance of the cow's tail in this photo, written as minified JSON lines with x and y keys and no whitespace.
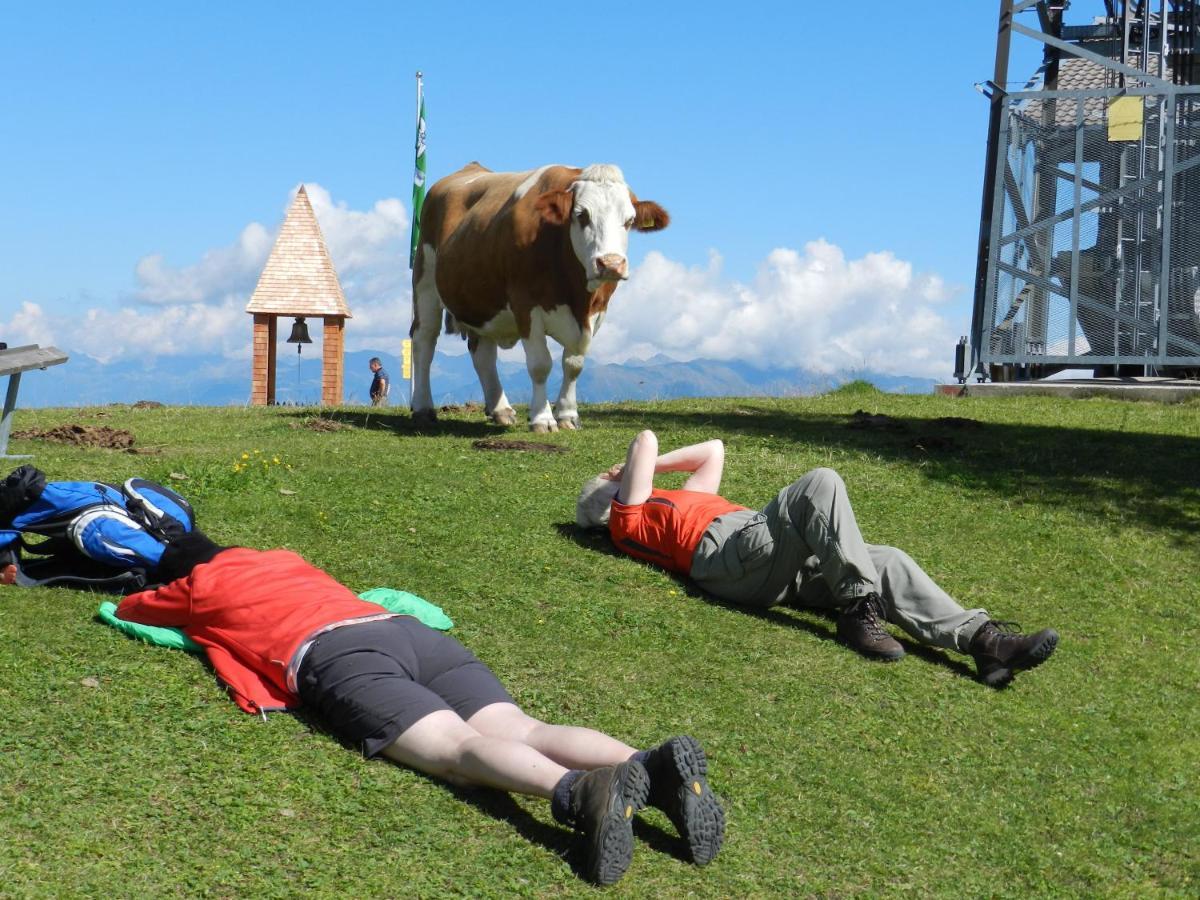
{"x":452,"y":326}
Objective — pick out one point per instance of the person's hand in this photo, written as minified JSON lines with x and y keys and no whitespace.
{"x":614,"y":472}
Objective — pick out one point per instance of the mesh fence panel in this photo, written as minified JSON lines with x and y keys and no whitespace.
{"x":1077,"y":251}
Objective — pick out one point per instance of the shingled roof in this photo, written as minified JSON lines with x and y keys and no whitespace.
{"x":1076,"y":74}
{"x":299,"y":278}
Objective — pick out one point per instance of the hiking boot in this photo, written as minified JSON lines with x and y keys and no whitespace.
{"x":601,"y":808}
{"x":679,"y":788}
{"x":860,"y":627}
{"x":1000,"y":650}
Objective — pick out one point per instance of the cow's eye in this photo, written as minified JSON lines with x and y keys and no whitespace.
{"x":628,"y":223}
{"x":583,"y":218}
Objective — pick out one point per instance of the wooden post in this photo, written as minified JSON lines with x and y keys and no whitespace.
{"x":332,"y":360}
{"x":262,"y":377}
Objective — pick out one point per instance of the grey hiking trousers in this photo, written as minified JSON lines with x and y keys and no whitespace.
{"x":805,"y":548}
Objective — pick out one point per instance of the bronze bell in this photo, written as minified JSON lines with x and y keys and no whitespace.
{"x":299,"y":333}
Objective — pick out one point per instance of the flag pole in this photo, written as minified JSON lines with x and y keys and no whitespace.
{"x":417,"y":204}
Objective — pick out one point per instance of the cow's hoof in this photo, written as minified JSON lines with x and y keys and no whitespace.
{"x":505,"y":417}
{"x":569,"y":424}
{"x":424,"y":417}
{"x":543,"y":427}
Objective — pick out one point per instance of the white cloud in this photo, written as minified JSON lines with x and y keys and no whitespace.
{"x":201,"y":307}
{"x":220,"y":273}
{"x":130,"y":332}
{"x":813,"y":309}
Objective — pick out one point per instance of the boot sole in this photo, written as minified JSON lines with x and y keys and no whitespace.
{"x":876,"y":655}
{"x":612,"y":849}
{"x":1030,"y":659}
{"x":696,"y":813}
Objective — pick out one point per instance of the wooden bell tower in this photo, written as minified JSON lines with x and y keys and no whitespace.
{"x":298,"y":280}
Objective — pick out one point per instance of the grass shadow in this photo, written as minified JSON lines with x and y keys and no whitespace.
{"x":1150,"y":477}
{"x":813,"y":620}
{"x":399,"y":422}
{"x":497,"y":804}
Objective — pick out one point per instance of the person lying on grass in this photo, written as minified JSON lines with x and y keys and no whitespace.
{"x":803,"y":548}
{"x":281,"y":633}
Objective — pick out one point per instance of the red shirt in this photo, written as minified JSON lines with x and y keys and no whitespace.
{"x":667,"y":528}
{"x":250,"y":610}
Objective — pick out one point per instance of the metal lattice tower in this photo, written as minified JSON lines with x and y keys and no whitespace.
{"x":1089,"y":250}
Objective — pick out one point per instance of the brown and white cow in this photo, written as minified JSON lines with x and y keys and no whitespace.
{"x":522,"y":256}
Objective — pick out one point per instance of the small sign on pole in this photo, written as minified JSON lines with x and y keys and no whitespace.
{"x":406,"y":358}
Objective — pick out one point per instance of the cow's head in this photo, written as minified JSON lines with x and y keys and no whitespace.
{"x":599,"y":210}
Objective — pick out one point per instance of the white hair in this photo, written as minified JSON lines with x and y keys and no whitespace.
{"x":595,"y":501}
{"x":602,"y":172}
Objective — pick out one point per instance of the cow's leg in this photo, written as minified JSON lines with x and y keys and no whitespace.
{"x":427,"y":323}
{"x":495,"y":403}
{"x":565,"y":409}
{"x":539,"y":363}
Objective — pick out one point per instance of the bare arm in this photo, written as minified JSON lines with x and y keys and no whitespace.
{"x":705,"y":461}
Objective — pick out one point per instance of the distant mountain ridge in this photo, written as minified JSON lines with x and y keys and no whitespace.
{"x":203,"y":381}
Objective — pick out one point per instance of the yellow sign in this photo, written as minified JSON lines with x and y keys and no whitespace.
{"x":1125,"y":116}
{"x":406,"y":358}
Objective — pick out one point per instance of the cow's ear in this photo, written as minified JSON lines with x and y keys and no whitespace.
{"x":649,"y":216}
{"x":555,"y":207}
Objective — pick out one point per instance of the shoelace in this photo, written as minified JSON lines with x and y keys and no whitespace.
{"x":1006,"y":627}
{"x":1006,"y":634}
{"x":871,"y":617}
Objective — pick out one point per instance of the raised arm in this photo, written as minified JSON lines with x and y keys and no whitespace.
{"x":705,"y":461}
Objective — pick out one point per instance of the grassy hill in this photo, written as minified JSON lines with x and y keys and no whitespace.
{"x":125,"y":771}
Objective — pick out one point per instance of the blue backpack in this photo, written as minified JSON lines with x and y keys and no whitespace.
{"x":86,"y":533}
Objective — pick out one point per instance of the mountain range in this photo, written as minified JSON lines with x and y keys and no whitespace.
{"x":205,"y":381}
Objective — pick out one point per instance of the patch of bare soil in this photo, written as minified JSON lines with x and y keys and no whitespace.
{"x":931,"y":438}
{"x":317,"y":423}
{"x":874,"y":422}
{"x":503,"y":444}
{"x":469,"y":406}
{"x":82,"y":436}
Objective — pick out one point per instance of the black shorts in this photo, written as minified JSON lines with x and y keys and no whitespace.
{"x":372,"y":681}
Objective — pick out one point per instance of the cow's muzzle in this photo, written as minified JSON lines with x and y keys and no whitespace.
{"x":612,"y":267}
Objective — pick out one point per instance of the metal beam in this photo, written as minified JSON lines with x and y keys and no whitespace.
{"x":990,"y":177}
{"x":1076,"y":50}
{"x":1102,"y":200}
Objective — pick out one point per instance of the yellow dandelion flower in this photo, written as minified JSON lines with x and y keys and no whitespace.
{"x":245,"y":456}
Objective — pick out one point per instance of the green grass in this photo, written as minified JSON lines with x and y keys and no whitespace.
{"x":842,"y":777}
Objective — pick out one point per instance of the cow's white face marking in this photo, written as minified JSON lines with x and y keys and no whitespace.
{"x":601,"y":216}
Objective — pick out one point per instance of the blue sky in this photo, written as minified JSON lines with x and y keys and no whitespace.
{"x":808,"y":152}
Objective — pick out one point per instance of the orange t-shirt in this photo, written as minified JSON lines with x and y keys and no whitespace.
{"x":667,"y":528}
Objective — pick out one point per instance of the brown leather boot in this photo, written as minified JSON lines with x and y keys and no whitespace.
{"x":601,"y":808}
{"x":860,"y":627}
{"x":1000,"y":650}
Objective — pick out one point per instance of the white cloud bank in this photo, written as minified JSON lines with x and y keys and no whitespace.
{"x":811,"y":308}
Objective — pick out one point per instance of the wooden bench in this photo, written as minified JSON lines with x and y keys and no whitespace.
{"x":14,"y":361}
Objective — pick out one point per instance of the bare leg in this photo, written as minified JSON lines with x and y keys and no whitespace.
{"x":442,"y":744}
{"x":567,"y":745}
